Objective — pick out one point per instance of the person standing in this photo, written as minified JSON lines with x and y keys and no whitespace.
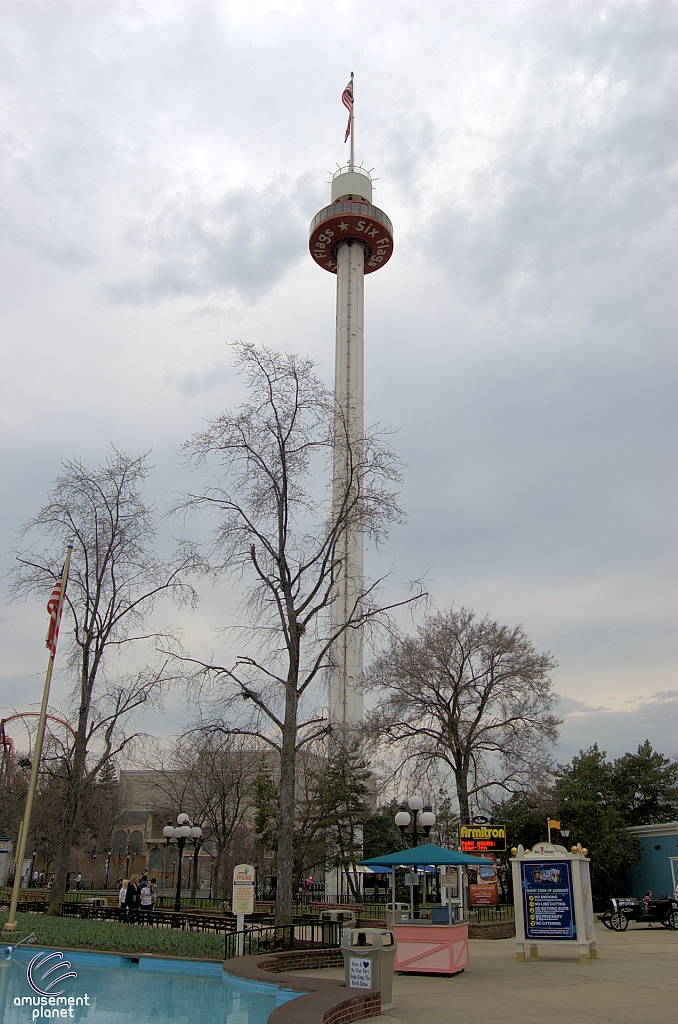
{"x":133,"y":897}
{"x":146,"y":898}
{"x":122,"y":892}
{"x":78,"y":882}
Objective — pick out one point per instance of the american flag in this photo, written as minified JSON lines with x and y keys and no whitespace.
{"x":347,"y":100}
{"x":52,"y":608}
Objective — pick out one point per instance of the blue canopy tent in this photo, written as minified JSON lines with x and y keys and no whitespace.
{"x":420,"y":856}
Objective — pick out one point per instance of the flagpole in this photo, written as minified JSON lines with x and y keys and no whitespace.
{"x":352,"y":164}
{"x":548,"y":827}
{"x":10,"y":924}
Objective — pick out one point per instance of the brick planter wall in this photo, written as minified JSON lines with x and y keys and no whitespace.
{"x":302,"y":960}
{"x":322,"y":1000}
{"x":492,"y":930}
{"x":356,"y":1008}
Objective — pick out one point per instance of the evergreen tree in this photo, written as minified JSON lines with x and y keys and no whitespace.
{"x":587,"y":777}
{"x":341,"y":793}
{"x":645,"y":786}
{"x":381,"y":835}
{"x":611,"y":847}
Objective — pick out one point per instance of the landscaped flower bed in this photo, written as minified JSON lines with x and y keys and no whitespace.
{"x":114,"y":936}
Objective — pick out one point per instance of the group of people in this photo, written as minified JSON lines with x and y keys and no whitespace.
{"x":137,"y":893}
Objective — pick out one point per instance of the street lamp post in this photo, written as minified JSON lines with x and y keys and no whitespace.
{"x":422,"y":815}
{"x":181,"y":833}
{"x":30,"y":881}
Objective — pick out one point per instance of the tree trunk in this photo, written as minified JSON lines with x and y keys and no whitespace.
{"x":285,"y":858}
{"x":350,"y":883}
{"x":194,"y":877}
{"x":88,"y":670}
{"x":69,"y":815}
{"x":461,"y":779}
{"x":218,"y":878}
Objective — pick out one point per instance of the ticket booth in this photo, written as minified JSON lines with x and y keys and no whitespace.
{"x":438,"y":945}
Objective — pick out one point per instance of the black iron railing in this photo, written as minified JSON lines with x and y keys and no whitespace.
{"x":503,"y":912}
{"x":152,"y":918}
{"x":272,"y":938}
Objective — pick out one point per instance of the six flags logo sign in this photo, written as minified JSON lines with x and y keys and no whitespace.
{"x":48,"y":1002}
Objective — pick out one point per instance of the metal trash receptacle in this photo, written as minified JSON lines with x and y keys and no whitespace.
{"x":402,"y":913}
{"x":334,"y":923}
{"x":368,"y":961}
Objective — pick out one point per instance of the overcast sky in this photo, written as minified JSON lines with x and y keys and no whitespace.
{"x":160,"y":166}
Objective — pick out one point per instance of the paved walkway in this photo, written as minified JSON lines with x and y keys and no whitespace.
{"x":635,"y":981}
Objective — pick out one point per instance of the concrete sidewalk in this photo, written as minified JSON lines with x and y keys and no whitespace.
{"x":635,"y":981}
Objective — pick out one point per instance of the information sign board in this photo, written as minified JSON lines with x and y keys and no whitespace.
{"x":548,"y":900}
{"x":243,"y":889}
{"x":483,"y":883}
{"x":482,"y":838}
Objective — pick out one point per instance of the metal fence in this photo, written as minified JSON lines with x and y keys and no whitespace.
{"x":503,"y":912}
{"x":31,"y":906}
{"x":152,"y":918}
{"x":271,"y":938}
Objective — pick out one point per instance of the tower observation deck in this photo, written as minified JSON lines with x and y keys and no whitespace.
{"x":350,"y":238}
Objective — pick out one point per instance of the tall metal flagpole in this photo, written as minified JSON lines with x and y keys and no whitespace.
{"x":352,"y":163}
{"x":11,"y":924}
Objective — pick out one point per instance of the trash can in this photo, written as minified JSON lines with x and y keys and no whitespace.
{"x":368,"y":961}
{"x":402,"y":913}
{"x":334,"y":922}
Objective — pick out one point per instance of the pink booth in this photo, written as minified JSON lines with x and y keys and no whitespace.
{"x":440,"y":945}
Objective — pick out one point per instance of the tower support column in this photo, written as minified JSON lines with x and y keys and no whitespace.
{"x":350,"y":238}
{"x":346,"y":674}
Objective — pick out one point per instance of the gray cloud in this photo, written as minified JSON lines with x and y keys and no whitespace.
{"x":196,"y":382}
{"x":241,"y":243}
{"x":655,"y":718}
{"x":160,"y":166}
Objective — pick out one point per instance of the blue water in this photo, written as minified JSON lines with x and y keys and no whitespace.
{"x":151,"y":991}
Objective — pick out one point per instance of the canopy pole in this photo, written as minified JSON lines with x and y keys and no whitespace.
{"x":393,"y":878}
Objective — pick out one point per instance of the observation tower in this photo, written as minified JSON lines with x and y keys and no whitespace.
{"x":350,"y":238}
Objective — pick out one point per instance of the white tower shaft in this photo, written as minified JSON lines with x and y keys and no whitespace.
{"x":350,"y":238}
{"x":346,"y":674}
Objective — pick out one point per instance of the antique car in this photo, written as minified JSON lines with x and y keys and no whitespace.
{"x":663,"y":910}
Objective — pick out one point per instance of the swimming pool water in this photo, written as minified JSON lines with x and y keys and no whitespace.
{"x":149,"y":991}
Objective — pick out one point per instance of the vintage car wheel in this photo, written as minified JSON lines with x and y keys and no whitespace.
{"x":605,"y":918}
{"x":619,"y":922}
{"x":671,"y":919}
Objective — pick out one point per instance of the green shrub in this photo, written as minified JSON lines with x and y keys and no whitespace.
{"x":117,"y":937}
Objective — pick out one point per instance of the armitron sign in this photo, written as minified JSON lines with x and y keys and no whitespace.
{"x":482,"y":838}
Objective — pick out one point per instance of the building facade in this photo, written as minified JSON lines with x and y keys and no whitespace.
{"x":658,"y":867}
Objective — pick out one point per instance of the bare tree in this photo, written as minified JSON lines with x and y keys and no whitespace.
{"x":279,"y":530}
{"x":219,"y":772}
{"x":470,"y":695}
{"x":114,"y":584}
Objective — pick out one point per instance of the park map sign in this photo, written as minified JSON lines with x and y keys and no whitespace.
{"x":482,"y":838}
